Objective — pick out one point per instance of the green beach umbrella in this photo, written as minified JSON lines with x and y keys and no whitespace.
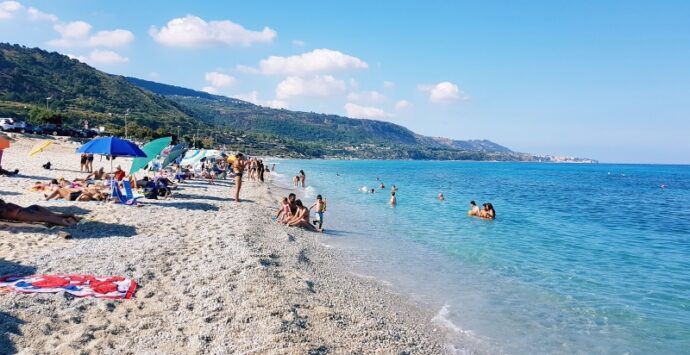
{"x":175,"y":152}
{"x":151,"y":149}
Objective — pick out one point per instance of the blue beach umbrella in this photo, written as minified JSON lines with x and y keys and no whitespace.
{"x":113,"y":147}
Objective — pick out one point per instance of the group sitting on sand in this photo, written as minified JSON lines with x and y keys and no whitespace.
{"x":294,"y":214}
{"x":486,"y":212}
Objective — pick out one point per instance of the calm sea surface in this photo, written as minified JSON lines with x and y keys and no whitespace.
{"x":581,"y":258}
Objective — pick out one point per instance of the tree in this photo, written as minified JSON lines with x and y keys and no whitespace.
{"x":39,"y":115}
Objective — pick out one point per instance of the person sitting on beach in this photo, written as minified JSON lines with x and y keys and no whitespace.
{"x":97,"y":175}
{"x":474,"y":210}
{"x":35,"y":213}
{"x":284,"y":213}
{"x":301,"y":218}
{"x":320,"y":205}
{"x":488,"y":212}
{"x":393,"y":200}
{"x":119,"y":173}
{"x":441,"y":197}
{"x":292,"y":208}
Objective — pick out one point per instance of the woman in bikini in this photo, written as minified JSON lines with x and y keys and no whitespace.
{"x":238,"y":168}
{"x":35,"y":213}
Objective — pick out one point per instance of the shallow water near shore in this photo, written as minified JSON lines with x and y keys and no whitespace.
{"x":581,"y":258}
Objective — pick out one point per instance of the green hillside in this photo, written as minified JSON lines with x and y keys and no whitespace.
{"x":77,"y":91}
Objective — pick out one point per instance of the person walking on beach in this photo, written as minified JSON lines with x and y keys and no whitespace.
{"x":320,"y":205}
{"x":238,"y":168}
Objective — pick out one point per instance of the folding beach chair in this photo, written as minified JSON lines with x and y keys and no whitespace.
{"x":128,"y":192}
{"x":117,"y":194}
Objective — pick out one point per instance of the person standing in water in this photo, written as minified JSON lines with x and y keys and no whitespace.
{"x":441,"y":197}
{"x":238,"y":168}
{"x":393,"y":200}
{"x":302,"y":177}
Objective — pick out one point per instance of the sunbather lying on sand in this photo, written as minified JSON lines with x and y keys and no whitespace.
{"x":91,"y":193}
{"x":35,"y":213}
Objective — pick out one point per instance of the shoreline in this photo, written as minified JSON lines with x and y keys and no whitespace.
{"x":215,"y":276}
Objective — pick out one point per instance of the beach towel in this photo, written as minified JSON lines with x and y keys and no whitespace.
{"x":112,"y":287}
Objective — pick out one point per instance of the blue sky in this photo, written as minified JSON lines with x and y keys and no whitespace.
{"x":603,"y":79}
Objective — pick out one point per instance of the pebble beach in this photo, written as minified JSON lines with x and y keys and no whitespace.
{"x":215,"y":276}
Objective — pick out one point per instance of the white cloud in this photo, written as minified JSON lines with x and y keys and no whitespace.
{"x":388,"y":84}
{"x":73,"y":30}
{"x":354,"y":84}
{"x":357,"y":111}
{"x":219,"y":80}
{"x":318,"y":61}
{"x":37,"y":15}
{"x":8,"y":8}
{"x":298,"y":43}
{"x":78,"y":34}
{"x":253,"y":97}
{"x":101,"y":57}
{"x":210,"y":90}
{"x":276,"y":104}
{"x":402,"y":105}
{"x":366,"y":96}
{"x":318,"y":86}
{"x":192,"y":32}
{"x":114,"y":38}
{"x":443,"y":92}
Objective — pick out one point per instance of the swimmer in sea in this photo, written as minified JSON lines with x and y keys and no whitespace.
{"x":393,"y":200}
{"x":441,"y":197}
{"x":488,"y":212}
{"x":474,"y":210}
{"x":382,"y":186}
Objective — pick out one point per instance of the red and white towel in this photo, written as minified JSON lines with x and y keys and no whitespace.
{"x":112,"y":287}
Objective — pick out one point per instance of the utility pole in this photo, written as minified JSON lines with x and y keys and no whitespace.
{"x":48,"y":98}
{"x":126,"y":113}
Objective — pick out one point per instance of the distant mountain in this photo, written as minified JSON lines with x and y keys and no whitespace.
{"x":30,"y":75}
{"x":221,"y":110}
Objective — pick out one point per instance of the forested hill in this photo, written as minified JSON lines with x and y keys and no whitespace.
{"x":310,"y":126}
{"x":33,"y":80}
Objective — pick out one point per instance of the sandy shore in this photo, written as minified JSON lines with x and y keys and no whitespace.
{"x":215,"y":277}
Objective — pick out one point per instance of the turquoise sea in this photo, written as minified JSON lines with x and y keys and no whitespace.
{"x":581,"y":258}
